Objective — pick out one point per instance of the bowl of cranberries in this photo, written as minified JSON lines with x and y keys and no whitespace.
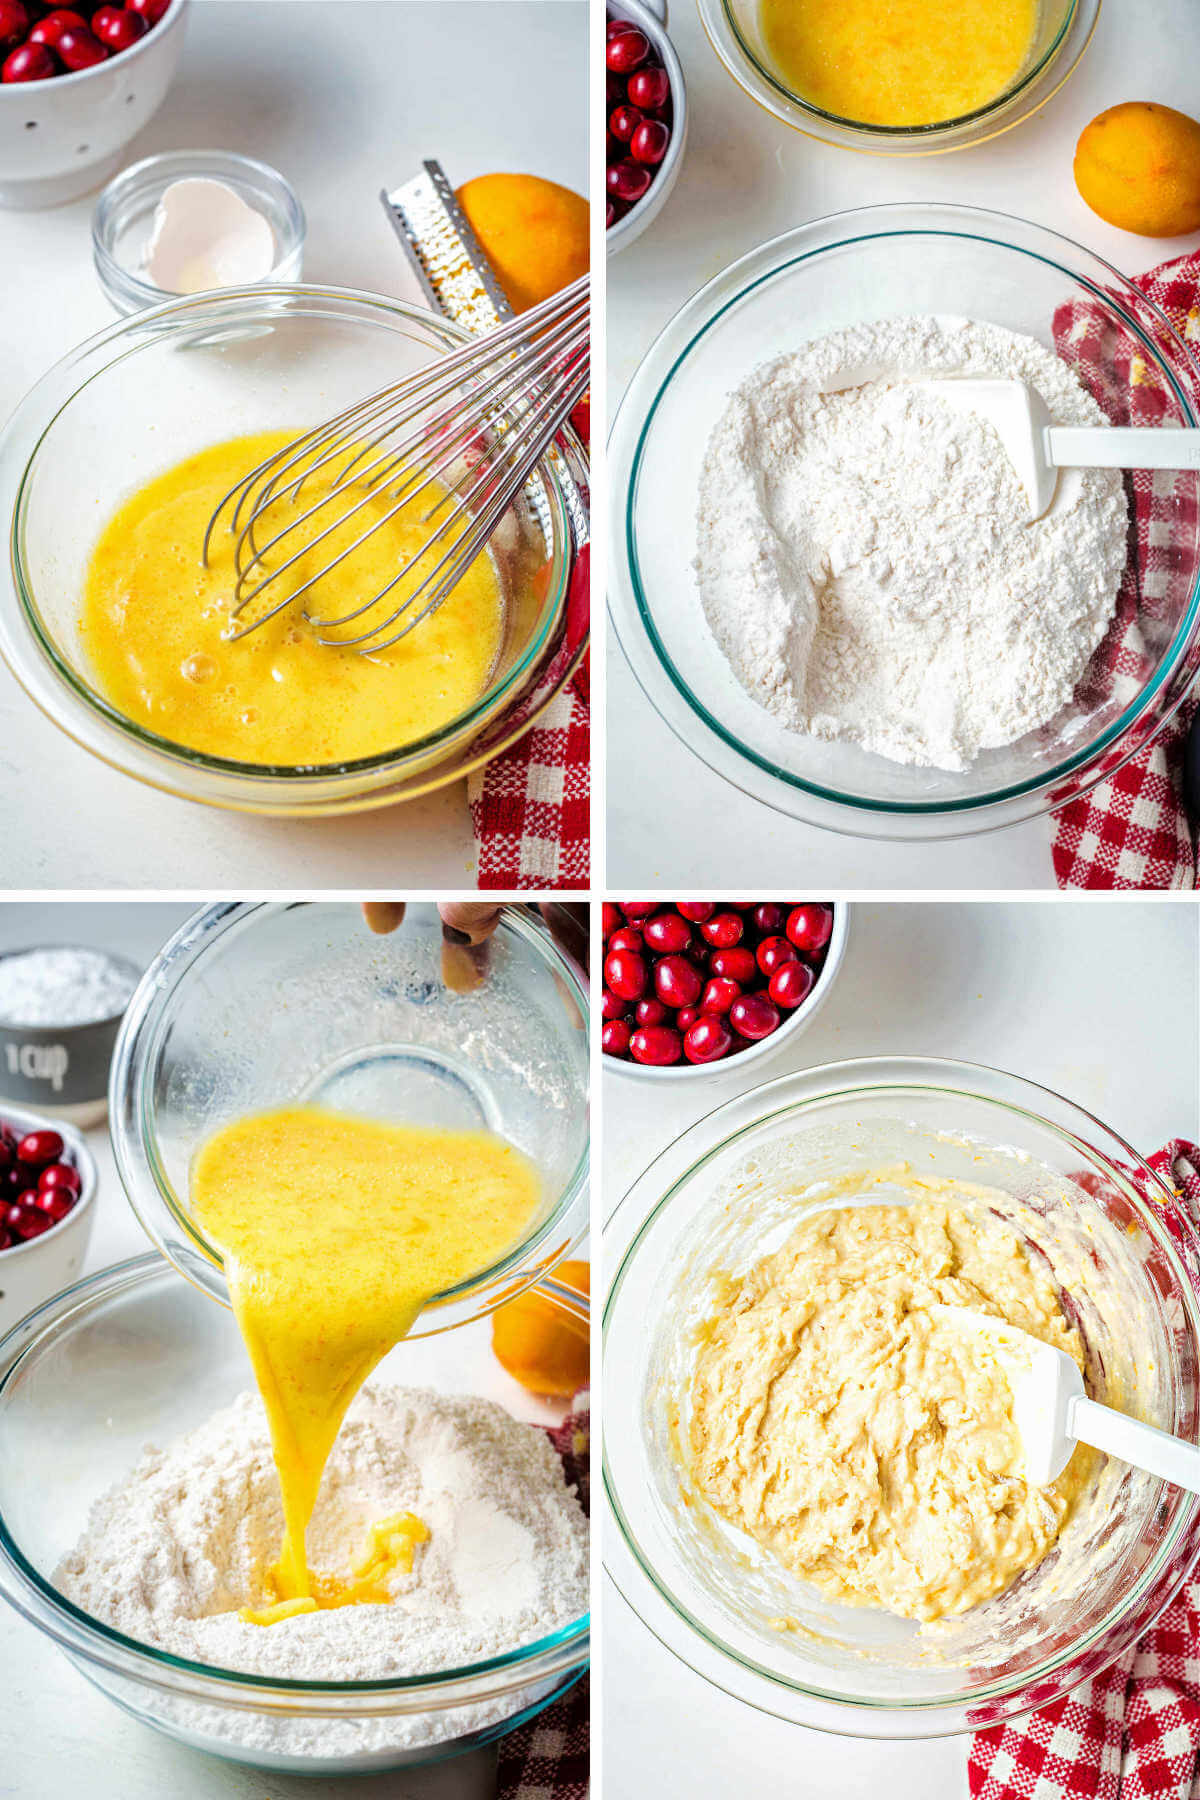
{"x":77,"y":83}
{"x":691,"y":986}
{"x":647,"y":118}
{"x":47,"y":1189}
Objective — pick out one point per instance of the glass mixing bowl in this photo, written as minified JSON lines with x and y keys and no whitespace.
{"x":135,"y":1356}
{"x":848,"y":269}
{"x":254,"y":1005}
{"x":728,"y":1192}
{"x":1061,"y":35}
{"x":150,"y":390}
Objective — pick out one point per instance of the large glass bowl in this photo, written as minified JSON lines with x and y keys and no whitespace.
{"x":1061,"y":35}
{"x":139,"y":397}
{"x":136,"y":1356}
{"x":256,"y":1005}
{"x":851,"y":268}
{"x":729,"y":1191}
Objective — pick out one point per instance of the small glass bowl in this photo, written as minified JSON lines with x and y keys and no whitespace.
{"x":253,"y":1005}
{"x":1063,"y":32}
{"x":124,"y":215}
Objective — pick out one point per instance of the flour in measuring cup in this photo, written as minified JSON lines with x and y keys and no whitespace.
{"x":59,"y":987}
{"x":865,"y":558}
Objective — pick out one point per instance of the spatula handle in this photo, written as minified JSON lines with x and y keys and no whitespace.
{"x":1122,"y":447}
{"x":1142,"y":1445}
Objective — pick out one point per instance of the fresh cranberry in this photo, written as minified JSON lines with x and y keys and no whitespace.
{"x":719,"y":995}
{"x":770,"y":918}
{"x":723,"y":930}
{"x":686,"y":1017}
{"x":614,"y":1037}
{"x":773,"y":952}
{"x":612,"y":919}
{"x":48,"y":30}
{"x":29,"y":62}
{"x":650,"y":1012}
{"x":611,"y":1005}
{"x":791,"y":983}
{"x":649,"y":142}
{"x":14,"y":23}
{"x":6,"y":1238}
{"x":708,"y":1040}
{"x":627,"y":938}
{"x":639,"y":909}
{"x":677,"y":981}
{"x":12,"y":1180}
{"x":649,"y":88}
{"x":626,"y":181}
{"x":623,"y":121}
{"x":118,"y":29}
{"x":754,"y":1016}
{"x":615,"y":27}
{"x":7,"y":1153}
{"x":809,"y":925}
{"x":626,"y":973}
{"x":667,"y":932}
{"x":26,"y":1218}
{"x":59,"y":1175}
{"x":610,"y":214}
{"x":56,"y":1203}
{"x":39,"y":1148}
{"x":697,"y":910}
{"x":656,"y":1045}
{"x":626,"y":50}
{"x":80,"y":50}
{"x":737,"y":964}
{"x":150,"y":10}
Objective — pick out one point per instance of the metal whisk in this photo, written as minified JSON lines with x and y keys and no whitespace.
{"x":492,"y":408}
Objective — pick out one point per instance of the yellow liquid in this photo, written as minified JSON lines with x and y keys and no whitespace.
{"x":335,"y":1232}
{"x":898,"y":62}
{"x":153,"y":620}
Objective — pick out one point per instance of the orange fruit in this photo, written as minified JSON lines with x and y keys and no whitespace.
{"x":1138,"y":166}
{"x":533,"y":232}
{"x":540,"y":1345}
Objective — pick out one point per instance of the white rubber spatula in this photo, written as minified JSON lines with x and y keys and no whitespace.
{"x":1038,"y":449}
{"x":1053,"y":1414}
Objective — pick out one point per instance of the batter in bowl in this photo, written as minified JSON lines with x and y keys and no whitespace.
{"x":869,"y":1445}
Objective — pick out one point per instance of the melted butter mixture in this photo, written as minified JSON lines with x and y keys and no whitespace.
{"x":899,"y":62}
{"x":154,"y":618}
{"x":867,"y":1444}
{"x":335,"y":1232}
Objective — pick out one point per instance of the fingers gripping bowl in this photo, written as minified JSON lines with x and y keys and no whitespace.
{"x":729,"y":1192}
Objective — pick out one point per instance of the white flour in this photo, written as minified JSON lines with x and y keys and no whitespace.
{"x":172,"y":1552}
{"x":62,"y":986}
{"x":862,"y":556}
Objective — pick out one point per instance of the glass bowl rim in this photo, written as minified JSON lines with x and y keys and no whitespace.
{"x":847,"y":1080}
{"x":970,"y":807}
{"x":105,"y":1284}
{"x":198,"y":312}
{"x":131,"y":1125}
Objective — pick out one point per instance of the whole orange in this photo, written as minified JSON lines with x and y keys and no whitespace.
{"x":540,"y":1345}
{"x":533,"y":232}
{"x":1138,"y":166}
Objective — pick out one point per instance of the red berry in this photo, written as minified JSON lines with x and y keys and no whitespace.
{"x":649,"y":142}
{"x":625,"y":181}
{"x":791,"y":983}
{"x":677,"y":981}
{"x":809,"y":925}
{"x":627,"y":938}
{"x":707,"y":1040}
{"x":611,"y":918}
{"x":611,"y":1005}
{"x":14,"y":23}
{"x":40,"y":1148}
{"x":656,"y":1045}
{"x":723,"y":930}
{"x":626,"y":973}
{"x":666,"y":932}
{"x":650,"y":1012}
{"x":29,"y":62}
{"x":719,"y":995}
{"x":754,"y":1016}
{"x":6,"y":1237}
{"x":56,"y":1203}
{"x":623,"y":122}
{"x":80,"y":50}
{"x":737,"y":964}
{"x":773,"y":952}
{"x":686,"y":1017}
{"x":697,"y":910}
{"x":615,"y":27}
{"x":614,"y":1038}
{"x":769,"y":918}
{"x":59,"y":1175}
{"x":118,"y":29}
{"x":48,"y":30}
{"x":649,"y":88}
{"x":639,"y":909}
{"x":26,"y":1219}
{"x":150,"y":10}
{"x":626,"y":50}
{"x":13,"y":1180}
{"x":610,"y":214}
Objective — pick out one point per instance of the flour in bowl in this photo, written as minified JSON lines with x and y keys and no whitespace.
{"x":864,"y":554}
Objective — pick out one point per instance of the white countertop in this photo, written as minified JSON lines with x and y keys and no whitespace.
{"x":1095,"y":1001}
{"x":343,"y":99}
{"x":745,"y":178}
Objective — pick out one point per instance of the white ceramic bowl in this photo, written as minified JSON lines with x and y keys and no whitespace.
{"x":59,"y":138}
{"x":792,"y":1026}
{"x":650,"y":16}
{"x":30,"y":1273}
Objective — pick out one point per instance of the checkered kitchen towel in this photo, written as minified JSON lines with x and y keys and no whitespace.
{"x":548,"y":1759}
{"x":1133,"y":1732}
{"x":1132,"y":830}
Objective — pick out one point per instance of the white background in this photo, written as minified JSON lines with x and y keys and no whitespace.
{"x":344,"y":99}
{"x":745,"y":178}
{"x":1095,"y":1000}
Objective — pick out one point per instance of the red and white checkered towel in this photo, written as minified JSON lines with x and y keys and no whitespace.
{"x":1131,"y":831}
{"x":1132,"y":1733}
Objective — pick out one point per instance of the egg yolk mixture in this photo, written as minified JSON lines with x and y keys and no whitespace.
{"x":898,"y":62}
{"x":154,"y":619}
{"x":335,"y":1232}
